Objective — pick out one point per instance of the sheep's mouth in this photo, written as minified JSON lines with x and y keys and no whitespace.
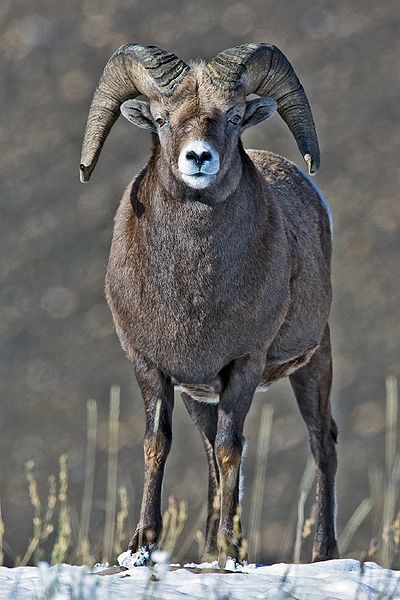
{"x":198,"y":180}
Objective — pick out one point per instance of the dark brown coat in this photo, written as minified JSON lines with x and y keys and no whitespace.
{"x":195,"y":287}
{"x":219,"y":273}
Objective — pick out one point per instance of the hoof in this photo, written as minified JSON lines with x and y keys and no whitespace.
{"x":140,"y":558}
{"x":143,"y":537}
{"x":319,"y":554}
{"x":210,"y":555}
{"x":230,"y":561}
{"x":232,"y":564}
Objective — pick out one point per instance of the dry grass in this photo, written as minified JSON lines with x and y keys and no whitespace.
{"x":263,"y":442}
{"x":63,"y":540}
{"x":194,"y":533}
{"x":355,"y":521}
{"x":392,"y":472}
{"x":288,"y":543}
{"x":382,"y":504}
{"x":1,"y":538}
{"x":121,"y":520}
{"x":174,"y":520}
{"x":80,"y":550}
{"x":113,"y":424}
{"x":83,"y":554}
{"x":42,"y":527}
{"x":305,"y":487}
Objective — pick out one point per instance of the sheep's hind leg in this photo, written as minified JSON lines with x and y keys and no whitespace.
{"x":311,"y":385}
{"x":205,"y":416}
{"x":242,"y":379}
{"x":158,"y":396}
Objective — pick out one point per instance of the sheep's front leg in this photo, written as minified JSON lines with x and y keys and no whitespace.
{"x":205,"y":418}
{"x":242,"y":379}
{"x":158,"y":396}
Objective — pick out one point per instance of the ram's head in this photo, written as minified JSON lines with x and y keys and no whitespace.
{"x":199,"y":110}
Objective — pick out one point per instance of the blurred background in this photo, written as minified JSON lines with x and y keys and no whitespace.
{"x":58,"y":347}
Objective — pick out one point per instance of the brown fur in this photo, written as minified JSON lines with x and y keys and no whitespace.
{"x":226,"y":287}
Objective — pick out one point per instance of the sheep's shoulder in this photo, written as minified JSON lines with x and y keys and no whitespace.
{"x":304,"y":205}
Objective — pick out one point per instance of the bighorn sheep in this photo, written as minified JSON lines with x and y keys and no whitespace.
{"x":219,"y":273}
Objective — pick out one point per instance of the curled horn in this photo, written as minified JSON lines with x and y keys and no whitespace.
{"x":264,"y":70}
{"x":132,"y":70}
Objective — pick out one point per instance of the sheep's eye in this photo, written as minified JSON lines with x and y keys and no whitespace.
{"x":235,"y":119}
{"x":160,"y":121}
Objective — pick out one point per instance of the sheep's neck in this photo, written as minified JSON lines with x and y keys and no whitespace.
{"x":191,"y":230}
{"x":230,"y":181}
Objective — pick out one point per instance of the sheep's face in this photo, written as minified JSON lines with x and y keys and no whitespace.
{"x":198,"y":127}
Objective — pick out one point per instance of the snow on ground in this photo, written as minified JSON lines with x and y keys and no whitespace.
{"x":336,"y":579}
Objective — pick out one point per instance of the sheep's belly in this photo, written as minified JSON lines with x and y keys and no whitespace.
{"x":274,"y":370}
{"x":192,"y":347}
{"x":191,"y":343}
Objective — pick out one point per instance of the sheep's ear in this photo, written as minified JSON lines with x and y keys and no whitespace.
{"x":138,"y":113}
{"x":258,"y":110}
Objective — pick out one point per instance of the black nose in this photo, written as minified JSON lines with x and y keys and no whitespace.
{"x":199,"y":160}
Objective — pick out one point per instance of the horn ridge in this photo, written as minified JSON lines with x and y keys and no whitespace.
{"x":264,"y":70}
{"x":131,"y":70}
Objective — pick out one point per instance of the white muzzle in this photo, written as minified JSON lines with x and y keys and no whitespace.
{"x":198,"y":164}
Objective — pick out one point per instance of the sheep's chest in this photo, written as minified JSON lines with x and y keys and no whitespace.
{"x":192,"y":301}
{"x":190,"y":324}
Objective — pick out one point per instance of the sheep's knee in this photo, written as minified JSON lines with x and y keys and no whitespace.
{"x":229,"y":457}
{"x":156,"y":448}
